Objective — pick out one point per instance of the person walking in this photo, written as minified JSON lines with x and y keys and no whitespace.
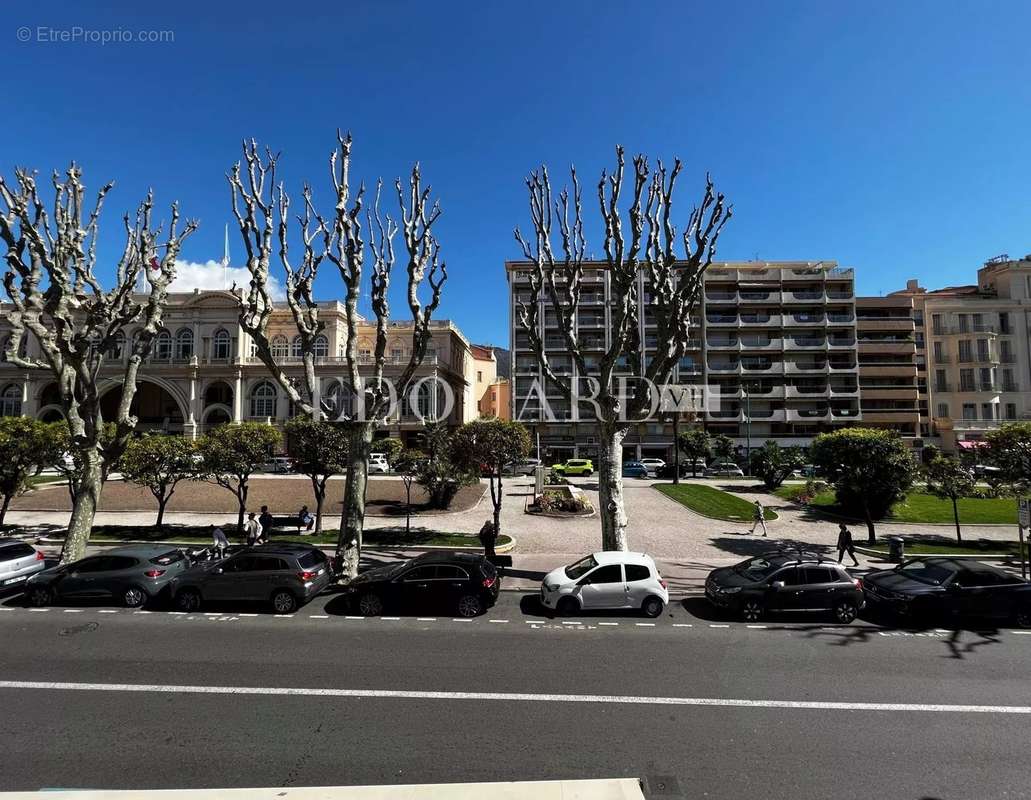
{"x":265,"y":520}
{"x":219,"y":541}
{"x":759,"y":517}
{"x":305,"y":520}
{"x":253,"y":529}
{"x":845,"y":544}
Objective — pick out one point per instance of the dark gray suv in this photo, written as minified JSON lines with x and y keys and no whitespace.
{"x":285,"y":575}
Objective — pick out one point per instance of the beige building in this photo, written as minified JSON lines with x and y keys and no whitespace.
{"x":493,"y":394}
{"x":973,"y":352}
{"x":888,"y":379}
{"x":203,"y":370}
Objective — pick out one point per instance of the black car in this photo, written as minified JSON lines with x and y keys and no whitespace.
{"x":131,"y":575}
{"x":924,"y":588}
{"x":463,"y":582}
{"x":785,"y":581}
{"x":285,"y":575}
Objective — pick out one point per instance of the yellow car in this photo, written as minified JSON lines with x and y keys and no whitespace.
{"x":574,"y":466}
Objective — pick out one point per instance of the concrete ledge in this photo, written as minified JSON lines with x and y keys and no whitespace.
{"x":600,"y":789}
{"x":501,"y":548}
{"x":877,"y":554}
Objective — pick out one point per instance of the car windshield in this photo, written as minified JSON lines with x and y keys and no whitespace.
{"x":755,"y":569}
{"x":927,"y":572}
{"x":580,"y":568}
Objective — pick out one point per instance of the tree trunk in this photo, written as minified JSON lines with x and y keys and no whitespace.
{"x":408,"y":508}
{"x":610,"y":488}
{"x":676,"y":449}
{"x":319,"y":490}
{"x":162,"y":502}
{"x":84,"y":507}
{"x":241,"y":499}
{"x":955,"y":516}
{"x":3,"y":509}
{"x":349,"y":546}
{"x":871,"y":535}
{"x":497,"y":509}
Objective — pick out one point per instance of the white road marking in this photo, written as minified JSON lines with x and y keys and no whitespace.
{"x":144,"y":612}
{"x":683,"y":625}
{"x":571,"y":622}
{"x":353,"y":617}
{"x":109,"y":611}
{"x":756,"y":627}
{"x":283,"y":616}
{"x":711,"y":625}
{"x":534,"y":621}
{"x":608,"y":623}
{"x":460,"y":619}
{"x":426,"y":619}
{"x":526,"y":697}
{"x":73,"y":611}
{"x":248,"y":615}
{"x":645,"y":624}
{"x":318,"y":616}
{"x":5,"y":608}
{"x":1022,"y":633}
{"x":39,"y":609}
{"x":392,"y":619}
{"x":212,"y":614}
{"x":497,"y":620}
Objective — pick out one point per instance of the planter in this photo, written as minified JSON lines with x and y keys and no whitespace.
{"x":560,"y":501}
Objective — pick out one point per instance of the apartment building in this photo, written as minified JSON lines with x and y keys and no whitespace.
{"x":203,"y":370}
{"x":774,"y":342}
{"x":889,"y":384}
{"x":973,"y":353}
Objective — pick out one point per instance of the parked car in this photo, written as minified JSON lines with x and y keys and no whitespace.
{"x":606,"y":580}
{"x":525,"y":467}
{"x":284,"y":575}
{"x":378,"y":464}
{"x":634,"y":469}
{"x":279,"y":464}
{"x":666,"y":472}
{"x":131,"y":575}
{"x":985,"y":471}
{"x":785,"y":581}
{"x":18,"y":560}
{"x":653,"y":464}
{"x":724,"y":469}
{"x":926,"y":588}
{"x":575,"y":466}
{"x":804,"y":472}
{"x":465,"y":583}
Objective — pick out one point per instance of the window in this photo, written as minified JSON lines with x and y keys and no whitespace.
{"x":969,"y":411}
{"x":263,"y":400}
{"x":965,"y":351}
{"x":447,"y":572}
{"x":117,"y":346}
{"x":987,"y":410}
{"x":939,"y":352}
{"x":10,"y":401}
{"x":791,"y":576}
{"x":279,"y":347}
{"x":268,"y":564}
{"x":964,"y":323}
{"x":919,"y":340}
{"x":321,"y":346}
{"x":1004,"y":322}
{"x":479,"y":376}
{"x":420,"y":574}
{"x":940,"y":383}
{"x":1011,"y":411}
{"x":966,"y":380}
{"x":396,"y":354}
{"x":296,"y":348}
{"x":163,"y":346}
{"x":978,"y":322}
{"x":220,"y":342}
{"x":637,"y":572}
{"x":610,"y":573}
{"x":820,"y":575}
{"x":943,"y":410}
{"x":936,"y":323}
{"x":982,"y":349}
{"x":365,"y":354}
{"x":987,"y":379}
{"x":184,"y":344}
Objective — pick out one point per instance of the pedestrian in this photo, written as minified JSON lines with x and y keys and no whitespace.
{"x":265,"y":520}
{"x":488,"y":538}
{"x":219,"y":541}
{"x":759,"y":517}
{"x":305,"y":520}
{"x":845,"y":544}
{"x":253,"y":529}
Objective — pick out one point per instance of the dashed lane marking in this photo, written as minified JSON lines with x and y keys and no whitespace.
{"x":351,"y":616}
{"x":109,"y":611}
{"x":713,"y":625}
{"x":248,"y":615}
{"x":756,"y":627}
{"x":40,"y":610}
{"x":460,"y":619}
{"x":73,"y":611}
{"x":608,"y":623}
{"x":645,"y":624}
{"x":682,"y":625}
{"x":498,"y":620}
{"x":318,"y":616}
{"x":1022,"y":633}
{"x":426,"y":619}
{"x":392,"y":619}
{"x":571,"y":622}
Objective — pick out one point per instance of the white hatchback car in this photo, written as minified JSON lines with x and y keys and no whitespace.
{"x":653,"y":464}
{"x":606,"y":580}
{"x":378,"y":463}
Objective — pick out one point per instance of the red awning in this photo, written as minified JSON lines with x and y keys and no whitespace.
{"x":971,"y":445}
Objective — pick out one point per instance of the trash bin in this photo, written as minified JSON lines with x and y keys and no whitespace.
{"x":896,"y":548}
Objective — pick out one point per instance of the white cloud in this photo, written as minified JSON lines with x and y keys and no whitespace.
{"x":191,"y":275}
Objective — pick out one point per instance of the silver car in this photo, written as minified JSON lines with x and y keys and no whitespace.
{"x":18,"y":560}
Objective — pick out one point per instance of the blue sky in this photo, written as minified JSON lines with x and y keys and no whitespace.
{"x":892,"y":137}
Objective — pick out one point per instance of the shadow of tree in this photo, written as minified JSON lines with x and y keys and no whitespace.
{"x":745,"y":544}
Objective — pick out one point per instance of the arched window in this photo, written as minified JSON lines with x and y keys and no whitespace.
{"x":280,"y":347}
{"x":340,"y":400}
{"x":321,"y":346}
{"x":163,"y":346}
{"x":263,"y":400}
{"x":295,"y":347}
{"x":220,"y":345}
{"x":10,"y":401}
{"x":184,"y":344}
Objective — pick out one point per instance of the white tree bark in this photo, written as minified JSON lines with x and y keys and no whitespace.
{"x":57,"y":298}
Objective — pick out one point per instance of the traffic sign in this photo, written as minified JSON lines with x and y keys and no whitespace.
{"x":1024,"y":512}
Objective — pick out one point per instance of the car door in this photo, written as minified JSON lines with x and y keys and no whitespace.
{"x":257,"y":582}
{"x":82,"y":578}
{"x":785,"y":589}
{"x":979,"y":593}
{"x":226,"y":581}
{"x":817,"y":588}
{"x":603,"y":587}
{"x":118,"y":574}
{"x":639,"y":584}
{"x":417,"y":588}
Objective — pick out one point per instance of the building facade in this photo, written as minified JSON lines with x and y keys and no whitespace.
{"x":203,"y":370}
{"x":774,"y":343}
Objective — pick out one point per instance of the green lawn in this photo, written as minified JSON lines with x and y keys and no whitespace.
{"x":921,"y":507}
{"x":36,"y":480}
{"x":372,"y":538}
{"x":711,"y":502}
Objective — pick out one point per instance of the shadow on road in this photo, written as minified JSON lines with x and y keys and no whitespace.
{"x":744,"y":544}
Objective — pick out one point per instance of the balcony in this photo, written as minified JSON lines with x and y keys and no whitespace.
{"x":753,"y":296}
{"x":592,"y":298}
{"x":725,"y":415}
{"x":720,"y":297}
{"x":760,"y":366}
{"x":765,"y":414}
{"x":840,"y":342}
{"x":804,"y":366}
{"x":807,"y":319}
{"x":723,"y":366}
{"x":721,"y":343}
{"x":760,"y":343}
{"x":978,"y":424}
{"x":841,"y":366}
{"x":845,"y":318}
{"x":592,"y":321}
{"x":803,"y":296}
{"x":851,"y":390}
{"x":807,"y":343}
{"x":1010,"y":387}
{"x":760,"y":319}
{"x":839,"y":294}
{"x":721,"y":319}
{"x":807,"y":414}
{"x":844,"y":412}
{"x":795,"y":392}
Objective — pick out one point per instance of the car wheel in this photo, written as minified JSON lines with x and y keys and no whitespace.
{"x":652,"y":607}
{"x":845,"y":611}
{"x":752,"y":610}
{"x":567,"y":606}
{"x":371,"y":605}
{"x":469,"y":605}
{"x":284,"y":602}
{"x":188,"y":600}
{"x":134,"y":597}
{"x":40,"y":596}
{"x":1023,"y":617}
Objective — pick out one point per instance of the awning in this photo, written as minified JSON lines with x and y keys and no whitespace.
{"x":972,"y":444}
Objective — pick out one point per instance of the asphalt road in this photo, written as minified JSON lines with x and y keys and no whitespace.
{"x":695,"y":705}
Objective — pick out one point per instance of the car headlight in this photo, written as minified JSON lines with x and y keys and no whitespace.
{"x":732,"y":590}
{"x":553,"y":587}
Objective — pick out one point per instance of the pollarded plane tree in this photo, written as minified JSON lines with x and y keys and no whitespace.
{"x":650,"y":245}
{"x":57,"y":298}
{"x":261,"y":210}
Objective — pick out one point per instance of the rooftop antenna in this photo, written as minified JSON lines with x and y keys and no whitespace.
{"x":225,"y":262}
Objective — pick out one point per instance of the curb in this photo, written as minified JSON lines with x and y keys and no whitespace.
{"x":741,"y":521}
{"x":1003,"y":557}
{"x":501,"y":548}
